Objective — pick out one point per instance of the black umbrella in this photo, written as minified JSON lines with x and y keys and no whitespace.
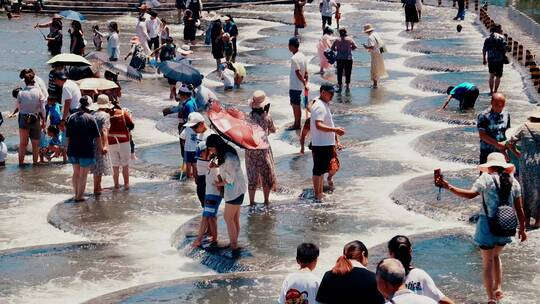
{"x":181,"y":71}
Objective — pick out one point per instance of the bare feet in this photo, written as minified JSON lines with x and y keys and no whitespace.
{"x":499,"y":294}
{"x":331,"y":184}
{"x":126,"y":187}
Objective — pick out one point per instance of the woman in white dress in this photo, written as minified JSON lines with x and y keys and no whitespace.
{"x":374,"y":46}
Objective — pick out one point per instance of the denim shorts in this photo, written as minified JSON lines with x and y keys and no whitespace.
{"x":484,"y":238}
{"x":83,"y":162}
{"x":190,"y":157}
{"x":295,"y":97}
{"x":211,"y":206}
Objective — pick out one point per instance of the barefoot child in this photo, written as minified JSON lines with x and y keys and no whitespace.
{"x":213,"y":196}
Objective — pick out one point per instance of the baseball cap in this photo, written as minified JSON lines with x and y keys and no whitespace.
{"x":193,"y":119}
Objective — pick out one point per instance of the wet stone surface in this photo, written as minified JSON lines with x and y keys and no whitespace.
{"x":110,"y":215}
{"x":258,"y":287}
{"x":40,"y":264}
{"x":459,"y":144}
{"x":420,"y":195}
{"x":430,"y":108}
{"x":456,"y":46}
{"x":445,"y":63}
{"x":440,"y":82}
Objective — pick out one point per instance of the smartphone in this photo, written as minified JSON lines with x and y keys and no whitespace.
{"x":437,"y":176}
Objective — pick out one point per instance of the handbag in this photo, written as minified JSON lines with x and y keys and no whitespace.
{"x":382,"y":49}
{"x":504,"y":223}
{"x":506,"y":60}
{"x":330,"y":56}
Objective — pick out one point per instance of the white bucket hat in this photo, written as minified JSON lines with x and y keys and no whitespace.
{"x":496,"y":159}
{"x":258,"y":100}
{"x":193,"y":119}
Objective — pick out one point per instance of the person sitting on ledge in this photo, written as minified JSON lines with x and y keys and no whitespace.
{"x":466,"y":93}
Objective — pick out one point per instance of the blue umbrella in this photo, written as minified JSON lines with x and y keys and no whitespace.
{"x":181,"y":71}
{"x":72,"y":15}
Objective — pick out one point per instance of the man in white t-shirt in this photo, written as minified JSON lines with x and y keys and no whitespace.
{"x":324,"y":137}
{"x":298,"y":80}
{"x":153,"y":26}
{"x":302,"y":286}
{"x":390,"y":277}
{"x":71,"y":94}
{"x":326,"y":9}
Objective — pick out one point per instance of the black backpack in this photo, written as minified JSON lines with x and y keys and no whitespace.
{"x":505,"y":221}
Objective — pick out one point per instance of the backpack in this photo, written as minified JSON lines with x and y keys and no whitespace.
{"x":330,"y":56}
{"x":505,"y":221}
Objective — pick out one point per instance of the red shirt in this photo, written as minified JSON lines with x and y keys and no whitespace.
{"x":119,"y":132}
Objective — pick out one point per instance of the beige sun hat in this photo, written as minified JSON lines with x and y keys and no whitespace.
{"x":258,"y":100}
{"x":368,"y":28}
{"x":496,"y":159}
{"x":535,"y":113}
{"x":103,"y":102}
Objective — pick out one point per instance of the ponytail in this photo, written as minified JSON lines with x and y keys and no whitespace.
{"x":400,"y":247}
{"x":343,"y":266}
{"x":505,"y":188}
{"x":354,"y":250}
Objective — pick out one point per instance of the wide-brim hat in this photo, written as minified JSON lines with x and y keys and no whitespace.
{"x":368,"y":28}
{"x":103,"y":102}
{"x":496,"y":159}
{"x":535,"y":113}
{"x":226,"y":18}
{"x":57,"y":16}
{"x":143,"y":7}
{"x":185,"y":50}
{"x":258,"y":100}
{"x":135,"y":40}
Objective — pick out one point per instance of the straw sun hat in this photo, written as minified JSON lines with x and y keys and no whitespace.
{"x":368,"y":28}
{"x":135,"y":40}
{"x":258,"y":100}
{"x":185,"y":50}
{"x":496,"y":159}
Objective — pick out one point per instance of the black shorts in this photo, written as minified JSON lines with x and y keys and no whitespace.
{"x":469,"y":99}
{"x":201,"y":188}
{"x":490,"y":247}
{"x":496,"y":68}
{"x":237,"y":201}
{"x":153,"y":43}
{"x":327,"y":20}
{"x":322,"y":155}
{"x":295,"y":97}
{"x":171,"y":82}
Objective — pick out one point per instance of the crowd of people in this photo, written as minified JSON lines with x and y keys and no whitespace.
{"x":92,"y":131}
{"x":396,"y":279}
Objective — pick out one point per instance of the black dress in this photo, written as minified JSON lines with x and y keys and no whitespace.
{"x":77,"y":47}
{"x":411,"y":14}
{"x":217,"y":43}
{"x":189,"y":28}
{"x":358,"y":286}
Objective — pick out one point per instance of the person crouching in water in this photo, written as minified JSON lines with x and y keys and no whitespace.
{"x":466,"y":93}
{"x":213,"y":197}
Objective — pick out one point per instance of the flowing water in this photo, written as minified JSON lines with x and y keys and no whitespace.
{"x":68,"y":253}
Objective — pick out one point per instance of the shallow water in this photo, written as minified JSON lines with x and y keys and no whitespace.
{"x":386,"y":145}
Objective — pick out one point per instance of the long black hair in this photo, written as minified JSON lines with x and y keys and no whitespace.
{"x":505,"y":187}
{"x":400,"y":246}
{"x":222,"y":148}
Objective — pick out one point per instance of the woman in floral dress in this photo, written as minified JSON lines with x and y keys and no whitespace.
{"x":103,"y":161}
{"x":528,"y":137}
{"x":260,"y":163}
